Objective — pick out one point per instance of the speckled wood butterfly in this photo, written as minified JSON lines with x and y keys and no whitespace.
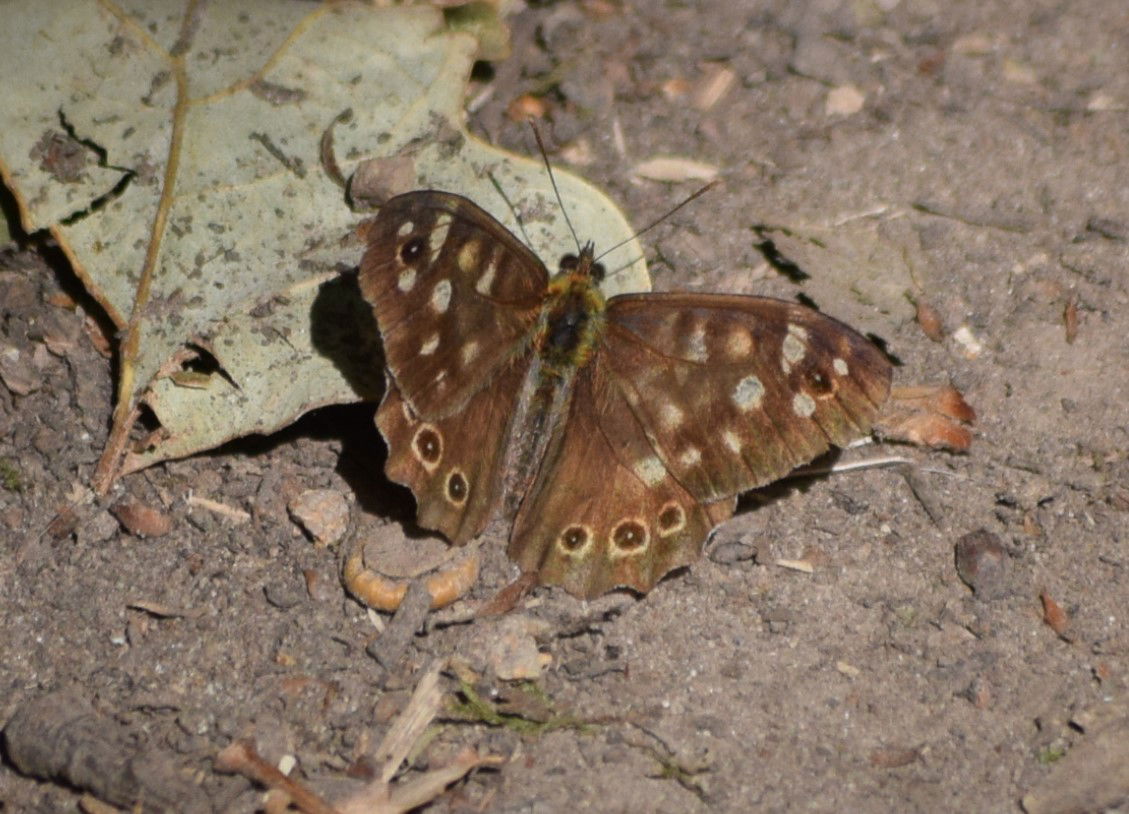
{"x":612,"y":434}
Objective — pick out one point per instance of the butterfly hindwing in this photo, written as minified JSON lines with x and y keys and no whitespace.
{"x":603,"y":511}
{"x":734,"y":392}
{"x":454,"y":294}
{"x":452,"y":464}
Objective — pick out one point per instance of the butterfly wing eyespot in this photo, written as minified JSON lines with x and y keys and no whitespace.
{"x":457,"y":488}
{"x":672,"y":519}
{"x":574,"y":540}
{"x":427,"y":445}
{"x":629,"y":537}
{"x":626,"y":526}
{"x":452,"y":465}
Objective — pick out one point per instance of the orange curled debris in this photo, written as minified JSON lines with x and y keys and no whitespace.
{"x":385,"y":594}
{"x":928,"y":416}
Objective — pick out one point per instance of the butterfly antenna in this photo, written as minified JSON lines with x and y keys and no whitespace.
{"x":553,"y":180}
{"x":655,"y":223}
{"x":512,"y":208}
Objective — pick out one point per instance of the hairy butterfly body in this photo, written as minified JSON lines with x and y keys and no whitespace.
{"x":611,"y":434}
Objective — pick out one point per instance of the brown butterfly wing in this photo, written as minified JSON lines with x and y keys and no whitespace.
{"x":455,"y":296}
{"x":603,"y":512}
{"x":734,"y":392}
{"x":690,"y":400}
{"x":453,"y":464}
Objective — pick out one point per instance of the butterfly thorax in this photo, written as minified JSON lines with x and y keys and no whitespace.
{"x":572,"y":318}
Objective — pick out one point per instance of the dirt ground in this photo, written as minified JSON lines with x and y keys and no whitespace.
{"x":991,"y":142}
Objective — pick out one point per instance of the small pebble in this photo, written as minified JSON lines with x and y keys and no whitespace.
{"x":141,"y":520}
{"x":324,"y":513}
{"x":982,"y":563}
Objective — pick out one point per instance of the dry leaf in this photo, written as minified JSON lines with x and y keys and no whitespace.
{"x":220,"y":233}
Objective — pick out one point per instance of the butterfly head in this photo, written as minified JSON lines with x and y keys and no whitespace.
{"x":583,"y":264}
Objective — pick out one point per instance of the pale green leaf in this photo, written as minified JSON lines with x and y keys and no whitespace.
{"x":199,"y":159}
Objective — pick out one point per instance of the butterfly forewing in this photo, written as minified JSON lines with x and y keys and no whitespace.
{"x":455,"y":296}
{"x":734,"y":392}
{"x":453,"y":464}
{"x":603,"y":511}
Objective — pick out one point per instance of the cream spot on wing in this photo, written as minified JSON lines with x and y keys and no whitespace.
{"x":650,"y":470}
{"x":739,"y":343}
{"x":469,"y":352}
{"x":840,"y":366}
{"x":671,"y":416}
{"x":438,"y":234}
{"x":429,"y":345}
{"x":441,"y":296}
{"x":794,"y":347}
{"x":486,"y":281}
{"x":407,"y":280}
{"x":690,"y":456}
{"x":468,"y":256}
{"x":749,"y":393}
{"x":405,"y":229}
{"x":731,"y":440}
{"x":440,"y":380}
{"x":803,"y":405}
{"x":696,"y":344}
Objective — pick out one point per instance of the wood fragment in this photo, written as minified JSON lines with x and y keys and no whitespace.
{"x":422,"y":708}
{"x":389,"y":650}
{"x":164,"y":611}
{"x":237,"y":515}
{"x":92,"y":805}
{"x":671,"y":168}
{"x":1070,"y":320}
{"x":929,"y":320}
{"x":506,"y":599}
{"x":1055,"y":617}
{"x":240,"y":757}
{"x":141,"y":520}
{"x":924,"y":493}
{"x":710,"y":90}
{"x":380,"y":798}
{"x":59,"y":737}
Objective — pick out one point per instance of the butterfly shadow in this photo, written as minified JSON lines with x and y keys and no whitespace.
{"x":343,"y":330}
